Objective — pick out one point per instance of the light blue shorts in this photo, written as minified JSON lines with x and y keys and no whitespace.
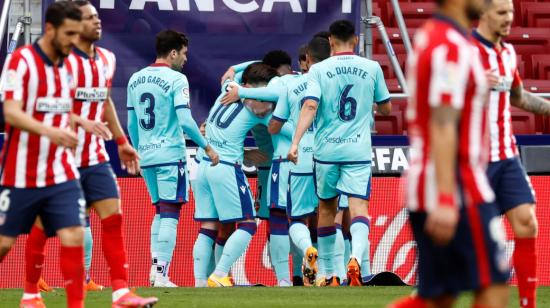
{"x":167,"y":182}
{"x":261,"y":192}
{"x":301,"y":198}
{"x":278,"y":183}
{"x":352,"y":180}
{"x":223,"y":193}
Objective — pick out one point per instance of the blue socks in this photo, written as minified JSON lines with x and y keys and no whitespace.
{"x":299,"y":233}
{"x":166,"y":240}
{"x":202,"y":255}
{"x":218,"y":249}
{"x":326,"y":240}
{"x":155,"y":225}
{"x":339,"y":254}
{"x":235,"y":247}
{"x":359,"y":230}
{"x":279,"y":244}
{"x":88,"y":248}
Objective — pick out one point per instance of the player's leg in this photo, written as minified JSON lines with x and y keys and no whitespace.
{"x":515,"y":198}
{"x":63,"y":213}
{"x":296,"y":255}
{"x":346,"y":223}
{"x":224,"y":232}
{"x":205,"y":213}
{"x":340,"y":248}
{"x":355,"y":183}
{"x":233,"y":200}
{"x":326,"y":178}
{"x":150,"y":178}
{"x":6,"y":242}
{"x":88,"y":251}
{"x":279,"y":242}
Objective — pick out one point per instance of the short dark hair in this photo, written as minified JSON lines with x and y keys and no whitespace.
{"x":342,"y":30}
{"x":168,"y":40}
{"x":57,"y":12}
{"x":323,"y":34}
{"x":302,"y":52}
{"x":276,"y":58}
{"x":258,"y":73}
{"x":318,"y":49}
{"x":81,"y":3}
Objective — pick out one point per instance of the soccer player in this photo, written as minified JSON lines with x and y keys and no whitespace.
{"x":92,"y":68}
{"x":38,"y":176}
{"x":301,"y":201}
{"x":460,"y":241}
{"x":158,"y":115}
{"x":222,"y":191}
{"x":343,"y":88}
{"x":513,"y":190}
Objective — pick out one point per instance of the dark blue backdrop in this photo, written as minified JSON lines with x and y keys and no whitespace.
{"x":218,"y":38}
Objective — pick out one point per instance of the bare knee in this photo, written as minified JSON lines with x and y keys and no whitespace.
{"x":493,"y":296}
{"x":71,"y":236}
{"x":523,"y":221}
{"x":5,"y":246}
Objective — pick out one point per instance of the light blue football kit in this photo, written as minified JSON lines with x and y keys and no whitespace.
{"x":345,"y":87}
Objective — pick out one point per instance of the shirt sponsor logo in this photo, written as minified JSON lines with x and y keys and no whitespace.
{"x":54,"y":104}
{"x":91,"y":94}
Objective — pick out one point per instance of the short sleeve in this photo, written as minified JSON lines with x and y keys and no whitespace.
{"x":13,"y":77}
{"x":282,"y":110}
{"x":181,"y":92}
{"x":448,"y":74}
{"x":313,"y":84}
{"x":516,"y":82}
{"x":381,"y":92}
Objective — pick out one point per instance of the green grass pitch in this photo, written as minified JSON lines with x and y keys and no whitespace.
{"x":255,"y":297}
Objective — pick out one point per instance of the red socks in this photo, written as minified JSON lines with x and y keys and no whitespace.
{"x":409,"y":302}
{"x":114,"y":250}
{"x":34,"y":259}
{"x":72,"y":268}
{"x":525,"y":263}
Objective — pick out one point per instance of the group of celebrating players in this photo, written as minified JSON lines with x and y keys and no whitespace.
{"x":313,"y":135}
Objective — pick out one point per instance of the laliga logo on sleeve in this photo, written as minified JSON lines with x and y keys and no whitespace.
{"x":12,"y":82}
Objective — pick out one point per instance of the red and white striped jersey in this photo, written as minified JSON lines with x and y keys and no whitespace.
{"x":504,"y":63}
{"x":93,"y":79}
{"x":445,"y":70}
{"x":30,"y":160}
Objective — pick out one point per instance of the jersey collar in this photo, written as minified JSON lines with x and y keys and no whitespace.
{"x":486,"y":42}
{"x":159,"y":65}
{"x":44,"y":57}
{"x":451,"y":22}
{"x":85,"y":55}
{"x":344,"y":53}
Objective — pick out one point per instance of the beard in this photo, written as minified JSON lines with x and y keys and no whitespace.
{"x":59,"y":48}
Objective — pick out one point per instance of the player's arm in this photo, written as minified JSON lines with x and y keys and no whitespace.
{"x":126,"y":153}
{"x":232,"y":70}
{"x":528,"y":101}
{"x":307,"y":114}
{"x":382,"y":94}
{"x":132,"y":123}
{"x":280,"y":116}
{"x":95,"y":127}
{"x":267,"y":94}
{"x":16,"y":117}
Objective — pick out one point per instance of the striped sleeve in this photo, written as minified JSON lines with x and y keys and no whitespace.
{"x":13,"y":76}
{"x":448,"y":76}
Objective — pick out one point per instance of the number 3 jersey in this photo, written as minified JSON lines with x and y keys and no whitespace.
{"x":345,"y":87}
{"x":93,"y":77}
{"x":155,"y":93}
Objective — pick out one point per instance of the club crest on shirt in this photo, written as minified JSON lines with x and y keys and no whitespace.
{"x":12,"y":83}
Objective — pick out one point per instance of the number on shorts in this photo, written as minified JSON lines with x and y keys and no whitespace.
{"x":4,"y":200}
{"x":347,"y":105}
{"x":149,"y":122}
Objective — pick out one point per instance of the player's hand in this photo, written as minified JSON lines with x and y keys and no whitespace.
{"x":255,"y":156}
{"x":97,"y":128}
{"x":229,"y":74}
{"x":492,"y":78}
{"x":212,"y":154}
{"x":232,"y":94}
{"x":129,"y":158}
{"x":293,"y":153}
{"x":62,"y":137}
{"x":441,"y":224}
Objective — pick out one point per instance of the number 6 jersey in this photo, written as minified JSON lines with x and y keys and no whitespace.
{"x":155,"y":93}
{"x":345,"y":87}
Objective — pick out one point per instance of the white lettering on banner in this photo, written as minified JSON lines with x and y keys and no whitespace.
{"x":91,"y":94}
{"x":235,"y":5}
{"x":399,"y":160}
{"x":54,"y":104}
{"x":382,"y":157}
{"x":294,"y":5}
